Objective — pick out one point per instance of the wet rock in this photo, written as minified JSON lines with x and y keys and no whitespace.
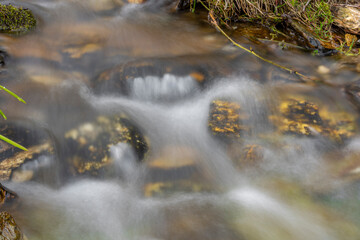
{"x":6,"y":195}
{"x":304,"y":118}
{"x":175,"y":169}
{"x":16,"y":164}
{"x":88,"y":146}
{"x":13,"y":19}
{"x":350,"y":40}
{"x":226,"y":119}
{"x":9,"y":230}
{"x":348,"y":18}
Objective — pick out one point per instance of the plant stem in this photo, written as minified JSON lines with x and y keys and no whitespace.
{"x":303,"y":77}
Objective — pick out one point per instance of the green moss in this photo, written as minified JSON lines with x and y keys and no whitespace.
{"x":13,"y":19}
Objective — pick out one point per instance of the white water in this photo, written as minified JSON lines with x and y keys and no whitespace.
{"x":172,"y":112}
{"x":167,"y":88}
{"x":116,"y":209}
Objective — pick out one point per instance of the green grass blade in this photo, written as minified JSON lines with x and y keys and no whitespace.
{"x":12,"y":94}
{"x":3,"y":115}
{"x":12,"y":142}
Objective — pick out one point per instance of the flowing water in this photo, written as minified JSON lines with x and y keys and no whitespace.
{"x":303,"y":188}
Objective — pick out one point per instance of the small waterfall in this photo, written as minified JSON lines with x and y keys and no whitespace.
{"x":166,"y":88}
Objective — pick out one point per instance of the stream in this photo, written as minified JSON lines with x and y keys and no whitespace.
{"x":290,"y":174}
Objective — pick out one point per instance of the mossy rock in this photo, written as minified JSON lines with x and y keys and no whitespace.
{"x":13,"y":19}
{"x":88,"y":146}
{"x":302,"y":117}
{"x":18,"y":165}
{"x":226,"y":120}
{"x":9,"y":230}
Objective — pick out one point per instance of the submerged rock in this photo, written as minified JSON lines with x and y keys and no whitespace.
{"x":19,"y":165}
{"x":9,"y":230}
{"x":13,"y":19}
{"x":304,"y":118}
{"x":175,"y":170}
{"x":249,"y":155}
{"x":89,"y":144}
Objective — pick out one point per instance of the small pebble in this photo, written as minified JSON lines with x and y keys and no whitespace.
{"x":323,"y":70}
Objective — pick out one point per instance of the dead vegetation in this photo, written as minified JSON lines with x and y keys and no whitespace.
{"x":322,"y":23}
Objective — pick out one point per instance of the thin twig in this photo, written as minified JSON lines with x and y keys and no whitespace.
{"x":303,"y":77}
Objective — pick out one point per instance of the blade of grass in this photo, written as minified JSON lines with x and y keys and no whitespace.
{"x":194,"y":6}
{"x":12,"y":142}
{"x":3,"y":115}
{"x":12,"y":94}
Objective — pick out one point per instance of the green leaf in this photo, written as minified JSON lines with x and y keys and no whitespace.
{"x":12,"y":142}
{"x":12,"y":94}
{"x":3,"y":115}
